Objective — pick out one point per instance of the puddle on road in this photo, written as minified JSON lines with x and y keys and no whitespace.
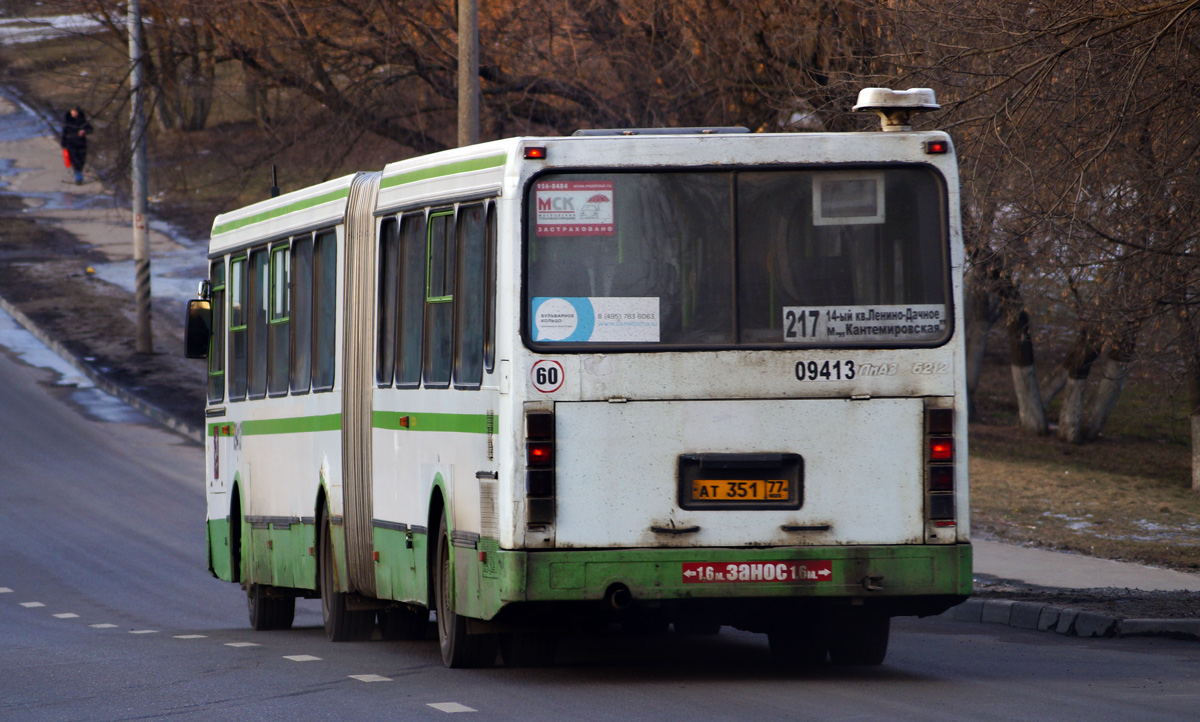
{"x":22,"y":123}
{"x":92,"y":401}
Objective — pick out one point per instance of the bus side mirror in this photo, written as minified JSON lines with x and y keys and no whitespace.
{"x":197,"y":328}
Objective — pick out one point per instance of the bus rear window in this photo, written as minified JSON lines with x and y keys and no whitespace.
{"x":762,"y":258}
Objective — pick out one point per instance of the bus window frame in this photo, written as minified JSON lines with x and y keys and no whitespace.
{"x":215,"y":392}
{"x":277,"y":317}
{"x":528,"y":223}
{"x":434,"y":304}
{"x":237,"y":290}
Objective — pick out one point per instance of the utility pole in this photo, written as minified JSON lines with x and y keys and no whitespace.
{"x":468,"y":72}
{"x":137,"y":130}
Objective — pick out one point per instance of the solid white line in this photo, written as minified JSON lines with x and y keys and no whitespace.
{"x":102,"y":626}
{"x":190,"y":636}
{"x":451,"y":707}
{"x":241,"y":644}
{"x":143,"y":631}
{"x":31,"y":605}
{"x":302,"y":658}
{"x":67,"y":615}
{"x":370,"y":678}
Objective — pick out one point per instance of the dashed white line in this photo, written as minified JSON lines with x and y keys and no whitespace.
{"x":67,"y":615}
{"x":302,"y":658}
{"x":451,"y":707}
{"x":143,"y":631}
{"x":31,"y":605}
{"x":191,"y":636}
{"x":370,"y":678}
{"x":241,"y":644}
{"x":5,"y":590}
{"x":102,"y":626}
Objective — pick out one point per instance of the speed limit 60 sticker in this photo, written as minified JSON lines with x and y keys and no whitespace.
{"x":547,"y":376}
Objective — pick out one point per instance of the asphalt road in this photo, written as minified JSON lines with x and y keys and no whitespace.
{"x":108,"y":613}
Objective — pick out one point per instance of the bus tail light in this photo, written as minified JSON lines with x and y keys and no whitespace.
{"x":939,"y":473}
{"x":539,"y":467}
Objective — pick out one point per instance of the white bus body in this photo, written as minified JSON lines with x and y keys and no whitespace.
{"x":694,"y":378}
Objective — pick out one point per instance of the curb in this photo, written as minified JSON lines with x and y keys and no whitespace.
{"x":162,"y":417}
{"x":1068,"y":621}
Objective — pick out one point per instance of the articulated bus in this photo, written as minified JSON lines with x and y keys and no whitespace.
{"x":547,"y":384}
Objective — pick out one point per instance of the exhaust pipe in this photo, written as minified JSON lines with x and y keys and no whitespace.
{"x":618,"y":598}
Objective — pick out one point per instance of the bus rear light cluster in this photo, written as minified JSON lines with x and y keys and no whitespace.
{"x":939,"y":472}
{"x":539,"y":467}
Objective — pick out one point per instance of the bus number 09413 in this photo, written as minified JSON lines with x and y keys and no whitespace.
{"x":825,"y":371}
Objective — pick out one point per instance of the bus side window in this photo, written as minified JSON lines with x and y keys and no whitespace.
{"x":324,"y":311}
{"x":237,"y":328}
{"x":216,"y":344}
{"x":256,"y":325}
{"x":279,"y":317}
{"x":412,"y":300}
{"x":489,"y":294}
{"x":471,"y":287}
{"x":439,"y":301}
{"x":387,"y":302}
{"x":302,"y":322}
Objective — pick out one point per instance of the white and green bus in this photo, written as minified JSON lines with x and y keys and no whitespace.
{"x":657,"y":377}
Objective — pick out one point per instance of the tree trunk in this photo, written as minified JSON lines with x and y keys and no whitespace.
{"x":982,"y":312}
{"x":1031,"y":412}
{"x":1113,"y":373}
{"x":1078,"y":365}
{"x":1195,"y":419}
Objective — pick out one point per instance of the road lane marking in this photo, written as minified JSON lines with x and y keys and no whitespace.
{"x":5,"y":590}
{"x":191,"y":636}
{"x":241,"y":644}
{"x":31,"y":605}
{"x":102,"y":626}
{"x":451,"y":707}
{"x":143,"y":631}
{"x":370,"y":678}
{"x":67,"y":615}
{"x":302,"y":658}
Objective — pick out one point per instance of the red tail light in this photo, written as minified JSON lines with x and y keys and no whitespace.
{"x":941,"y":449}
{"x":940,"y":504}
{"x":539,"y":468}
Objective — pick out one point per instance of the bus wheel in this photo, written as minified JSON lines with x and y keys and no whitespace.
{"x":797,"y":644}
{"x":341,"y":624}
{"x":859,"y":637}
{"x":528,"y":650}
{"x":269,"y":612}
{"x":403,"y":622}
{"x":459,"y":649}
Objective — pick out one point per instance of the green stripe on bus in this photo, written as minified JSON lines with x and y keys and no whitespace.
{"x":297,"y":425}
{"x":462,"y":423}
{"x":437,"y":171}
{"x":281,"y":211}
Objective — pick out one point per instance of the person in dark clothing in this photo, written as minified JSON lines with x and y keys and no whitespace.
{"x":74,"y":140}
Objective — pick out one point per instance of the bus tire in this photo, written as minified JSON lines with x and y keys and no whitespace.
{"x":269,"y":612}
{"x":403,"y":622}
{"x":341,"y":624}
{"x":524,"y":649}
{"x":459,"y":649}
{"x":859,"y":637}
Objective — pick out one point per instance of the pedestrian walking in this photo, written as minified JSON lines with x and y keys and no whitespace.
{"x":74,"y":140}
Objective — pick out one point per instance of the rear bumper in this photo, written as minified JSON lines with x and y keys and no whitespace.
{"x":906,"y":579}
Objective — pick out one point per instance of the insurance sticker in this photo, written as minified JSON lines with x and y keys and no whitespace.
{"x":727,"y":572}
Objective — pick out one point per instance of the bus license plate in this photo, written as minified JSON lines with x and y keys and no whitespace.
{"x":741,"y":490}
{"x":727,"y":572}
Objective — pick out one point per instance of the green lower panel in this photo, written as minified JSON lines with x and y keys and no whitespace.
{"x":400,"y":571}
{"x":219,"y":561}
{"x":660,"y":574}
